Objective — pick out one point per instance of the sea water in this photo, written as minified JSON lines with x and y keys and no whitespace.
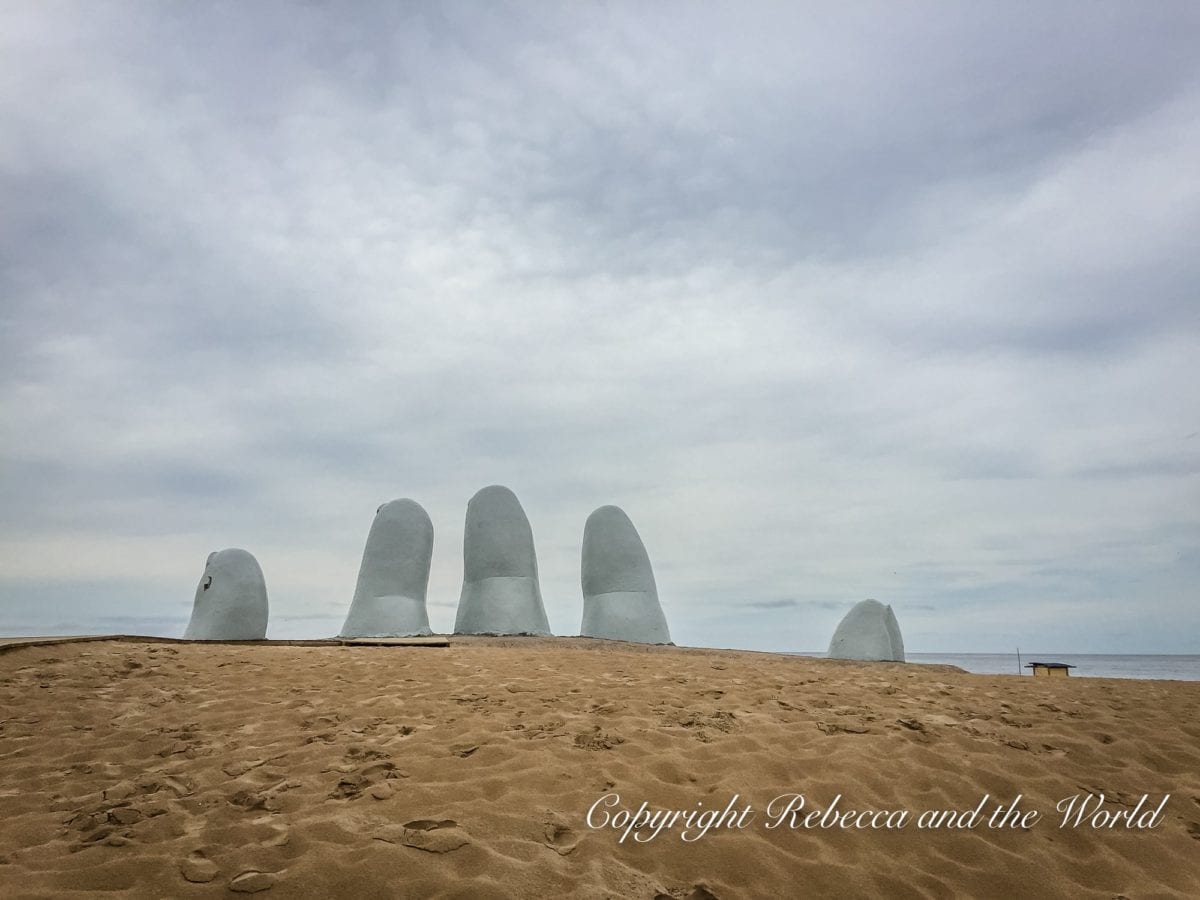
{"x":1176,"y":667}
{"x":1092,"y":665}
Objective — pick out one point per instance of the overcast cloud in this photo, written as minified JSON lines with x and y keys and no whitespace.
{"x":836,"y":301}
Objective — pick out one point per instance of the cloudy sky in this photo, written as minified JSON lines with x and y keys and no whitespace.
{"x":836,"y":301}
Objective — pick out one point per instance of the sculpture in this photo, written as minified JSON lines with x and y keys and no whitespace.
{"x":500,"y":592}
{"x":231,"y":599}
{"x":868,"y":632}
{"x":389,"y":599}
{"x":620,"y":598}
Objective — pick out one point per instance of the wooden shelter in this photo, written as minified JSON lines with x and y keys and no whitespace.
{"x":1050,"y":668}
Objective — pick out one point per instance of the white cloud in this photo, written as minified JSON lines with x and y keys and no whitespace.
{"x":833,"y":305}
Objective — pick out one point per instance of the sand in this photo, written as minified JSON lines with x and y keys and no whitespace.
{"x":185,"y":770}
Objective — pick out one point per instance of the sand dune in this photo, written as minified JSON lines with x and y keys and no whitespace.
{"x":181,"y":770}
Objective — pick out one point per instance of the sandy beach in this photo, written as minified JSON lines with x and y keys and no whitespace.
{"x":488,"y":769}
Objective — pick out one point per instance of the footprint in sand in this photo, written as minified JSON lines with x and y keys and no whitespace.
{"x":197,"y":868}
{"x":560,"y":837}
{"x":263,"y":798}
{"x":430,"y":835}
{"x":697,"y":892}
{"x":597,"y":740}
{"x":252,"y":882}
{"x":368,"y":770}
{"x":109,"y":819}
{"x":237,"y":769}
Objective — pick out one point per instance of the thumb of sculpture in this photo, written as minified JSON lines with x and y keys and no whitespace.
{"x":231,"y":599}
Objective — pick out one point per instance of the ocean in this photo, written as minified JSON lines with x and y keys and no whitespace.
{"x":1092,"y":665}
{"x":1174,"y":667}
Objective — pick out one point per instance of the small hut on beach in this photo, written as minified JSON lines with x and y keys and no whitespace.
{"x":1050,"y":668}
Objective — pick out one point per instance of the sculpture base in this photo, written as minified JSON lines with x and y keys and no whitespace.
{"x":502,"y":604}
{"x":625,"y":616}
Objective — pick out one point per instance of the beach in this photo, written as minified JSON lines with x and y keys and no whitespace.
{"x":500,"y":767}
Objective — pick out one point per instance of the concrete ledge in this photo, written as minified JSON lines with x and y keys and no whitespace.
{"x":16,"y":643}
{"x":415,"y":641}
